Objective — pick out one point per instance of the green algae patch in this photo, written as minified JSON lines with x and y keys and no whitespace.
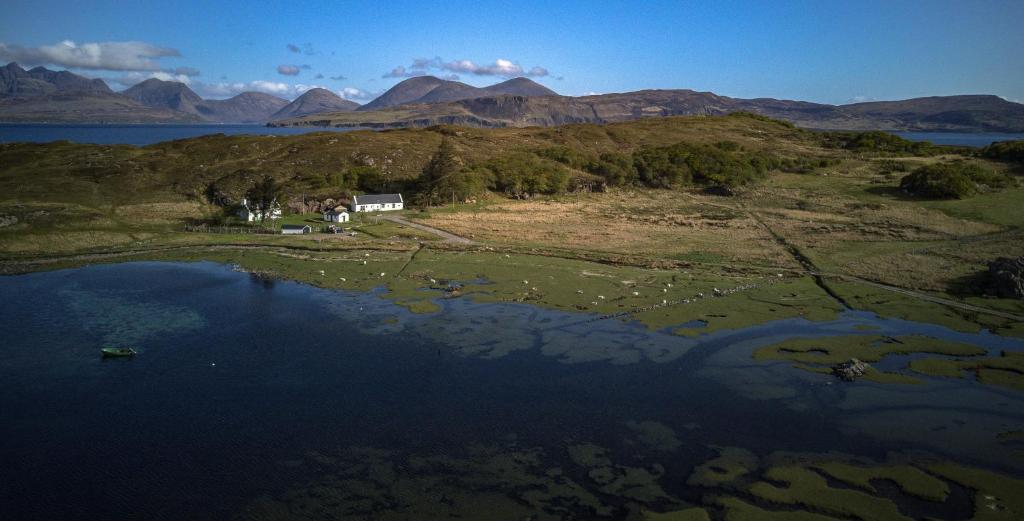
{"x":819,"y":354}
{"x":655,"y":435}
{"x":890,"y":304}
{"x":996,"y":497}
{"x":1006,"y":370}
{"x":689,"y":514}
{"x":909,"y":479}
{"x":589,"y":455}
{"x":728,"y":468}
{"x":869,"y":348}
{"x":808,"y":489}
{"x":744,"y":303}
{"x":739,"y":510}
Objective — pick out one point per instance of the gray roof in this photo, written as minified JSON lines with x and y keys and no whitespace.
{"x":294,"y":226}
{"x":377,"y":199}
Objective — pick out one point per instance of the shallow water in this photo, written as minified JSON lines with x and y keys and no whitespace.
{"x":139,"y":134}
{"x":247,"y":389}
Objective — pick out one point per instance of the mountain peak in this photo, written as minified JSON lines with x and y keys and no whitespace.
{"x":164,"y":94}
{"x":405,"y":91}
{"x":431,"y":89}
{"x":521,"y":86}
{"x":315,"y":101}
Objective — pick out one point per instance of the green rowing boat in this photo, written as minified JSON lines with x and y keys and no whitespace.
{"x":115,"y":352}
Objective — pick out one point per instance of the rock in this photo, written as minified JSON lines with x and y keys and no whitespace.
{"x":850,"y":370}
{"x":720,"y":190}
{"x":1006,"y":278}
{"x":8,"y":220}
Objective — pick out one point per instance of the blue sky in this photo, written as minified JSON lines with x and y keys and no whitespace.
{"x":822,"y":51}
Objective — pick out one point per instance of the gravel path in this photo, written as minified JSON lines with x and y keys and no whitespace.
{"x":450,"y":237}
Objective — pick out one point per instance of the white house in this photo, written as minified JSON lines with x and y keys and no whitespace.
{"x":376,"y":203}
{"x":296,"y":229}
{"x":336,"y":215}
{"x":251,"y":212}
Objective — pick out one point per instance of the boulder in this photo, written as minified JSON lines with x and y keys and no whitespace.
{"x":850,"y":370}
{"x":1006,"y":278}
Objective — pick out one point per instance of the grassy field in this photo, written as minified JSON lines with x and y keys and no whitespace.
{"x":65,"y":203}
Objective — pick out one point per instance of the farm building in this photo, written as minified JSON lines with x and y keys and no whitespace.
{"x":296,"y":229}
{"x":377,"y":203}
{"x":251,"y":212}
{"x":336,"y":215}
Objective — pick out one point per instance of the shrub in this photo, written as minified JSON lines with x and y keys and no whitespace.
{"x":1012,"y":151}
{"x":951,"y":180}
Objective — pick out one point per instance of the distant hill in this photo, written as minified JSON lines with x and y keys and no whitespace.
{"x":943,"y":113}
{"x":247,"y":107}
{"x":520,"y":87}
{"x":406,"y":91}
{"x":315,"y":101}
{"x":17,"y":82}
{"x":42,"y":95}
{"x":428,"y":89}
{"x":165,"y":94}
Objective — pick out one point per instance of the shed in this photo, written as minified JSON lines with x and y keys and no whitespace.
{"x":296,"y":229}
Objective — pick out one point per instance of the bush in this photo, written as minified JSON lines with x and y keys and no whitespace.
{"x":522,"y":173}
{"x":1012,"y":151}
{"x":876,"y":141}
{"x":951,"y":181}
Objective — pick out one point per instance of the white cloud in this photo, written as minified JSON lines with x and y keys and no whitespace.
{"x":591,"y":93}
{"x":501,"y":67}
{"x":229,"y":89}
{"x":133,"y":77}
{"x":288,"y":70}
{"x":860,"y":99}
{"x":354,"y":94}
{"x":402,"y":72}
{"x":111,"y":56}
{"x":185,"y":71}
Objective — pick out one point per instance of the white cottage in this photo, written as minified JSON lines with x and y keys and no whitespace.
{"x":251,"y":212}
{"x":377,"y":203}
{"x":336,"y":215}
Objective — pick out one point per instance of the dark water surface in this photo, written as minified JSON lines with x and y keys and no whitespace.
{"x":239,"y":381}
{"x":140,"y":135}
{"x":149,"y":134}
{"x":973,"y":139}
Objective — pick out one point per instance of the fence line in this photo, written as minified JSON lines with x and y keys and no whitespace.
{"x":205,"y":228}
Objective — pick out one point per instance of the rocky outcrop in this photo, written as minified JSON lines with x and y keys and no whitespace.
{"x":1005,"y":278}
{"x":850,"y":370}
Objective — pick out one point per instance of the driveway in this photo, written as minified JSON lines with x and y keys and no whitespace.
{"x":450,"y":237}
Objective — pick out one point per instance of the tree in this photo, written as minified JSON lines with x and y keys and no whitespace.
{"x":441,"y":175}
{"x":264,"y":195}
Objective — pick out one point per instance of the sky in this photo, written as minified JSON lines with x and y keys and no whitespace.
{"x":822,"y":51}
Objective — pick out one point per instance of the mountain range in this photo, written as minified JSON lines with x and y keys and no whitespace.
{"x":42,"y":95}
{"x":427,"y":101}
